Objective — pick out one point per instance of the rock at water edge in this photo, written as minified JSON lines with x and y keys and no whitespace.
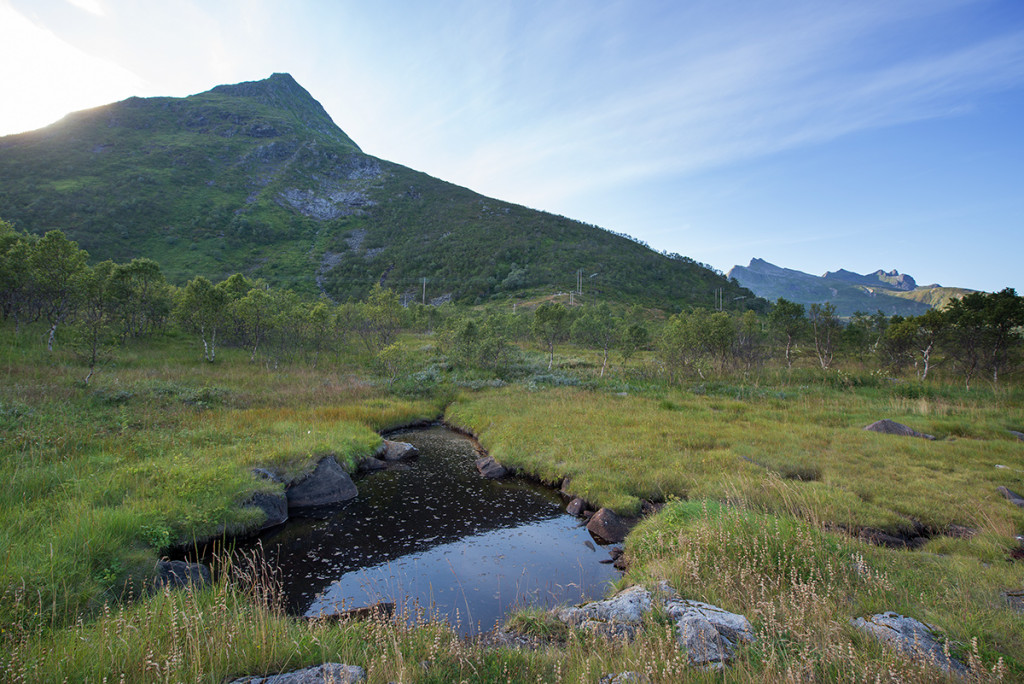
{"x":334,"y":673}
{"x":490,"y":468}
{"x":178,"y":574}
{"x":327,"y":484}
{"x":576,"y":507}
{"x":608,"y":527}
{"x":891,"y":427}
{"x":274,"y":506}
{"x":396,"y":451}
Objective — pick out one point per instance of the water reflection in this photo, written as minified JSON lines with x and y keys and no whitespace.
{"x":431,"y":532}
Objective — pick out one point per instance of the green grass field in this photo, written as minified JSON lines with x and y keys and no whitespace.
{"x":768,"y":480}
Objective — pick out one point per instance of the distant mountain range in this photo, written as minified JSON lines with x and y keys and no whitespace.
{"x":256,"y":178}
{"x":888,"y":291}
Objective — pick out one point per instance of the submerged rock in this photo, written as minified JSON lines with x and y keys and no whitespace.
{"x":334,"y":673}
{"x":327,"y":484}
{"x":608,"y":527}
{"x":910,"y":637}
{"x":490,"y":468}
{"x":370,"y":464}
{"x":396,"y":451}
{"x":891,"y":427}
{"x":178,"y":574}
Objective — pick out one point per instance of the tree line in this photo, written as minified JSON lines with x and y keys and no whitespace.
{"x":48,"y":279}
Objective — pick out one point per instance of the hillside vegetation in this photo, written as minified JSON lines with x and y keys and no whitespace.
{"x":256,"y":178}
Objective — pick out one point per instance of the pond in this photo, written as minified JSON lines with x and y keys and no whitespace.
{"x":430,"y":534}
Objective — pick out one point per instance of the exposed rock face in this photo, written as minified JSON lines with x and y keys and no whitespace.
{"x":608,"y":527}
{"x":274,"y":506}
{"x":177,"y":574}
{"x":1011,"y":496}
{"x":327,"y":484}
{"x":911,"y":637}
{"x":707,"y":633}
{"x":329,"y":205}
{"x":576,"y":507}
{"x":490,"y":468}
{"x":396,"y":451}
{"x":334,"y":673}
{"x":891,"y":427}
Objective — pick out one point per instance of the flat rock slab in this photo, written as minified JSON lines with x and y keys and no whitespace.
{"x":910,"y":637}
{"x":179,"y":574}
{"x":490,"y":468}
{"x":327,"y":484}
{"x":891,"y":427}
{"x":396,"y":451}
{"x":328,"y":673}
{"x":629,"y":606}
{"x":608,"y":527}
{"x":1011,"y":496}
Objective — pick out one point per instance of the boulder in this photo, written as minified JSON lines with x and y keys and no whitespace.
{"x":274,"y":506}
{"x":490,"y":468}
{"x":327,"y":484}
{"x":335,"y":673}
{"x":607,"y":527}
{"x":732,"y":627}
{"x":1018,"y":435}
{"x":623,"y":678}
{"x":178,"y":574}
{"x":576,"y":507}
{"x":370,"y":464}
{"x":910,"y":637}
{"x":396,"y":451}
{"x":1012,"y":496}
{"x":891,"y":427}
{"x":627,"y":607}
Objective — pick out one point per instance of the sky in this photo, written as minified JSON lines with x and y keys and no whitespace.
{"x":817,"y":135}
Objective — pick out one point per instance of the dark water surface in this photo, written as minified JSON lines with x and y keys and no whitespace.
{"x":432,"y":533}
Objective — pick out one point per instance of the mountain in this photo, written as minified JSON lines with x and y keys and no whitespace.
{"x":256,"y":178}
{"x":888,"y":291}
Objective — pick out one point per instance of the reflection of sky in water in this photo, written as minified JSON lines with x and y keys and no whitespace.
{"x":433,"y":531}
{"x":481,"y":576}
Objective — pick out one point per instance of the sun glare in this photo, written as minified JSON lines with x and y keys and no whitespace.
{"x":51,"y":77}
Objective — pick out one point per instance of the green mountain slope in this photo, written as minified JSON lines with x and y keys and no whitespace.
{"x":256,"y":178}
{"x":890,"y":292}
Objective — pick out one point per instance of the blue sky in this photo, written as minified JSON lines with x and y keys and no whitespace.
{"x":817,"y":135}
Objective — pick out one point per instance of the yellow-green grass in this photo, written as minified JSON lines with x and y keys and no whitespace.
{"x":156,"y":452}
{"x":805,"y":454}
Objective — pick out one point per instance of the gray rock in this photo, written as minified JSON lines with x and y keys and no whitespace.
{"x":1015,"y":598}
{"x":704,"y":645}
{"x":732,"y":626}
{"x":327,"y":484}
{"x":265,"y":474}
{"x":1012,"y":496}
{"x":910,"y":637}
{"x":629,"y":606}
{"x":370,"y":464}
{"x":576,"y":507}
{"x":490,"y":468}
{"x":609,"y":527}
{"x":274,"y":506}
{"x":396,"y":451}
{"x":1018,"y":435}
{"x":623,"y":678}
{"x":328,"y":673}
{"x":178,"y":574}
{"x":891,"y":427}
